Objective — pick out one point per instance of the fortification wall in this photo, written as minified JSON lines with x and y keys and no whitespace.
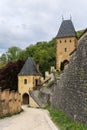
{"x":70,"y":93}
{"x":10,"y":102}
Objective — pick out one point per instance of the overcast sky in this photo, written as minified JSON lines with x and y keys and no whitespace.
{"x":25,"y":22}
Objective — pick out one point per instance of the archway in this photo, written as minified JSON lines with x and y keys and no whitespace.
{"x":25,"y":98}
{"x":63,"y":64}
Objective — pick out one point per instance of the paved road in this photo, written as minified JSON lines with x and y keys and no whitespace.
{"x":30,"y":119}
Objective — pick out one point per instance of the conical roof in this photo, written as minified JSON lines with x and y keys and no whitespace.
{"x":66,"y":29}
{"x":29,"y":68}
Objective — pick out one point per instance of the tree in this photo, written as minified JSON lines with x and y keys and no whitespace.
{"x":8,"y":75}
{"x":13,"y":53}
{"x":3,"y":60}
{"x":44,"y":54}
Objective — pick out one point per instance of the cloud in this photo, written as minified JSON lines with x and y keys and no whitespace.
{"x":23,"y":22}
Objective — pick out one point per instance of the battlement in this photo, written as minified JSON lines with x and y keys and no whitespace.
{"x":10,"y":102}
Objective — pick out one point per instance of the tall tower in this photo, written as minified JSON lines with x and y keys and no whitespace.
{"x":65,"y":43}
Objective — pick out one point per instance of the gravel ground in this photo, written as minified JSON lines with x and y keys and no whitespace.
{"x":30,"y":119}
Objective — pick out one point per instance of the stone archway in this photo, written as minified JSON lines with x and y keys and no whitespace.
{"x":63,"y":64}
{"x":25,"y":98}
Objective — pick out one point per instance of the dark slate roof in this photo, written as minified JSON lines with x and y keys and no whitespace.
{"x":29,"y":68}
{"x":66,"y":29}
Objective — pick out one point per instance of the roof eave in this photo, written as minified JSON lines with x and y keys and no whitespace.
{"x":65,"y":36}
{"x":29,"y":74}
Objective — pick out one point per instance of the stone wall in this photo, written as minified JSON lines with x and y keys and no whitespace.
{"x":10,"y":102}
{"x":70,"y":92}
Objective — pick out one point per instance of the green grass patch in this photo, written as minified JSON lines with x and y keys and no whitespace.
{"x":63,"y":121}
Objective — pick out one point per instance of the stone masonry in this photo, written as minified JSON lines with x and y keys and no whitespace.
{"x":70,"y":93}
{"x":10,"y":102}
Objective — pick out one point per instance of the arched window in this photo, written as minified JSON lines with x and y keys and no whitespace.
{"x":25,"y":81}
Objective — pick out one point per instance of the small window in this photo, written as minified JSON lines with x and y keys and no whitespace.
{"x":60,"y":41}
{"x":70,"y":41}
{"x":65,"y":40}
{"x":65,"y":49}
{"x":25,"y":81}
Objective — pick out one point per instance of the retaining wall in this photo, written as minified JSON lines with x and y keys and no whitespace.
{"x":10,"y":102}
{"x":70,"y":92}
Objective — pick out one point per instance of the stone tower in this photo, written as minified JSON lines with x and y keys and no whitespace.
{"x":29,"y":79}
{"x":66,"y":41}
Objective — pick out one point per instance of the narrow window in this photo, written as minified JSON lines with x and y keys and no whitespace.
{"x":65,"y":40}
{"x":65,"y":49}
{"x":70,"y":40}
{"x":60,"y":41}
{"x":25,"y":81}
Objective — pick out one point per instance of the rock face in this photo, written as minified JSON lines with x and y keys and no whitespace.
{"x":43,"y":97}
{"x":70,"y":93}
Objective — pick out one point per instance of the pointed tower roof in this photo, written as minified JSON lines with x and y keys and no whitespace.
{"x":66,"y":29}
{"x":29,"y":68}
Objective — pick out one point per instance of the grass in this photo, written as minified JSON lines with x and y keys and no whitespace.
{"x":63,"y":122}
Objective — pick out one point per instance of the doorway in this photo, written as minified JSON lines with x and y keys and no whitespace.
{"x":25,"y":99}
{"x":63,"y":64}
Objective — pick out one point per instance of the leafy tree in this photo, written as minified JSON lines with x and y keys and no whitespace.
{"x":3,"y":60}
{"x":44,"y":53}
{"x":8,"y":75}
{"x":23,"y":55}
{"x":13,"y":53}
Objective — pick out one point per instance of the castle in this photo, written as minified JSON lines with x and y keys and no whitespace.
{"x":66,"y":42}
{"x":29,"y":77}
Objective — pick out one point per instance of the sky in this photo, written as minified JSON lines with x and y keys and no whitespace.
{"x":25,"y":22}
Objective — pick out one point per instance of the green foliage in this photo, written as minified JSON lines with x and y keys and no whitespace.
{"x":44,"y":53}
{"x":12,"y":54}
{"x":79,"y":33}
{"x":63,"y":121}
{"x":57,"y":74}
